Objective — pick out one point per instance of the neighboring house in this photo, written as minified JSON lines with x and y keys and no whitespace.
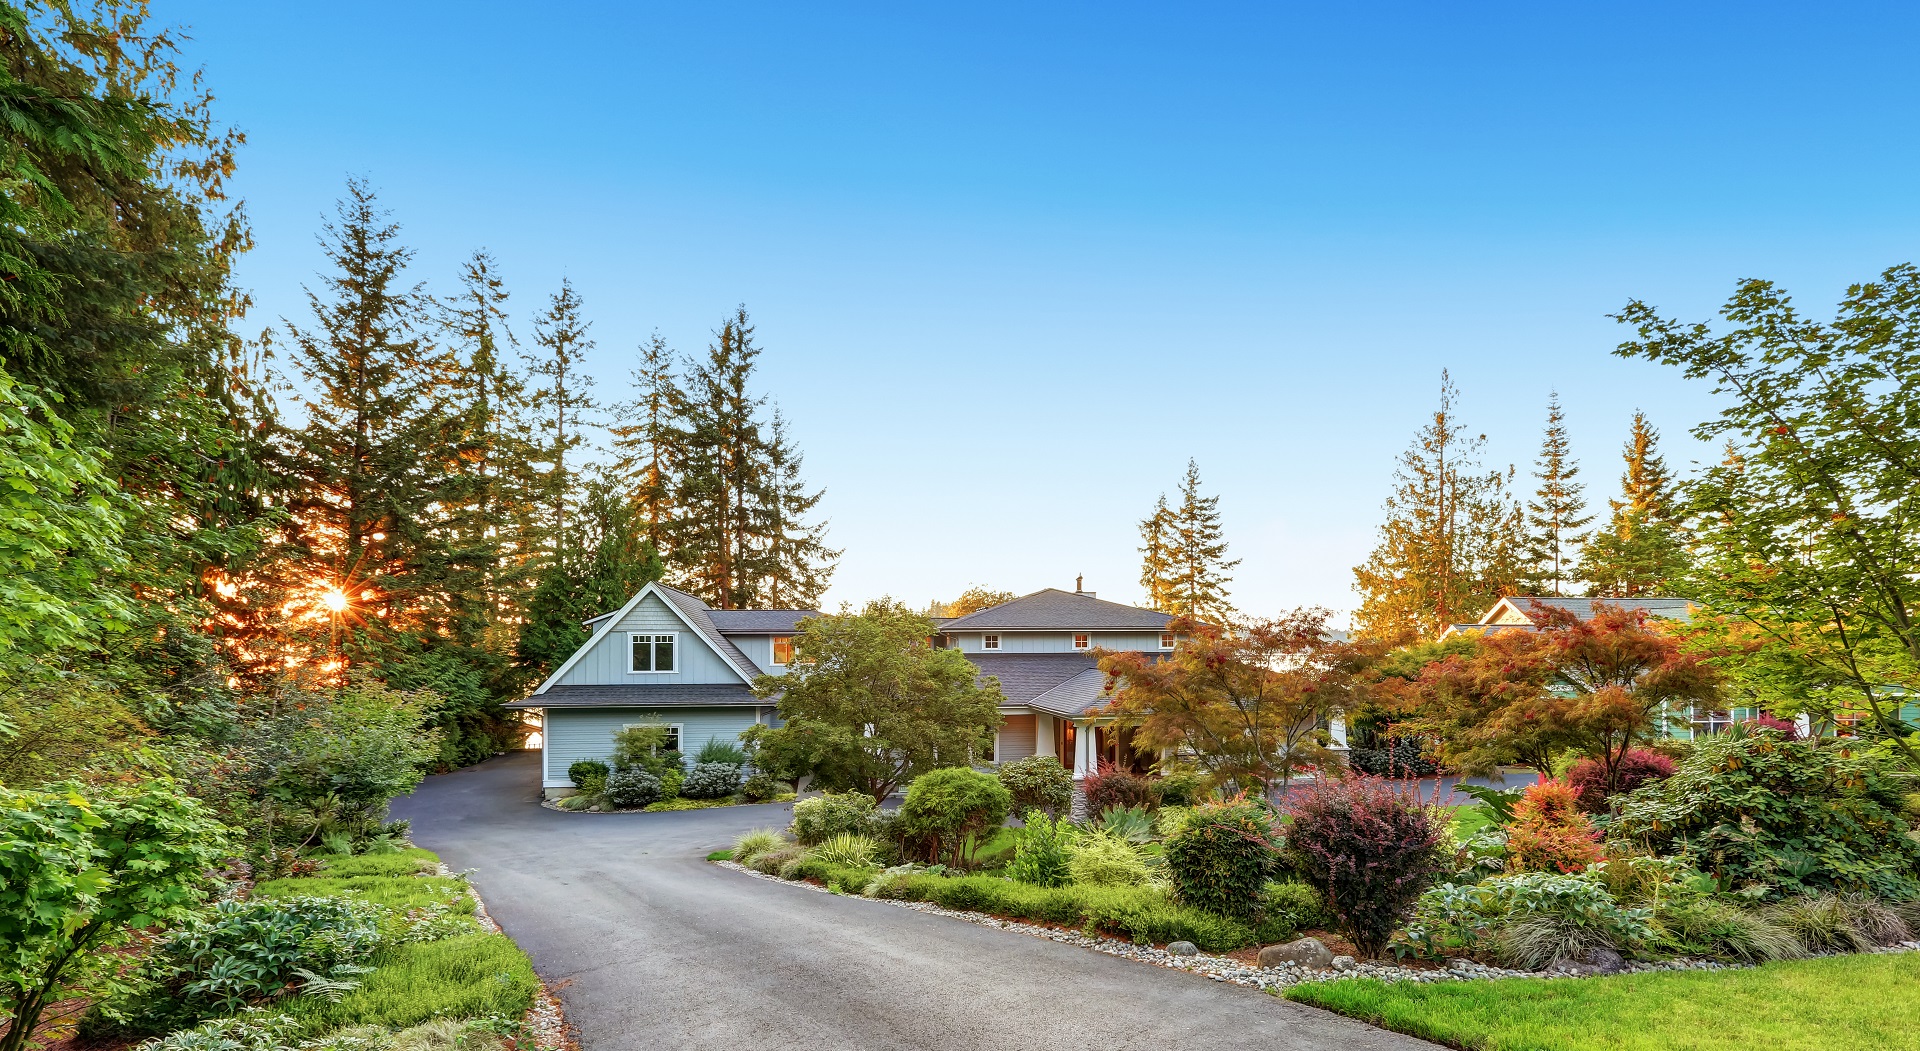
{"x":1516,"y":612}
{"x":664,"y":657}
{"x":1039,"y":647}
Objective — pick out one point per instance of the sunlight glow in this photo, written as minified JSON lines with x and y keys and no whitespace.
{"x":335,"y":600}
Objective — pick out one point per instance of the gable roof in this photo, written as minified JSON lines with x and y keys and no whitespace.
{"x":759,"y":621}
{"x":1054,"y":610}
{"x":1583,"y":608}
{"x":691,"y":611}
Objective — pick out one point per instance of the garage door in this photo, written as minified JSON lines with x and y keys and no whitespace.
{"x":1015,"y":740}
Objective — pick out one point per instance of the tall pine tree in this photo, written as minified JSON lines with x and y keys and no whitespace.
{"x":793,"y":563}
{"x":1640,"y":551}
{"x":1199,"y":570}
{"x":725,"y":471}
{"x":561,"y":401}
{"x":1451,"y":544}
{"x":1156,"y":556}
{"x":1557,"y":512}
{"x":650,"y":439}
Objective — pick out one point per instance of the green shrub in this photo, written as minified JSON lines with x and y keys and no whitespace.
{"x":711,"y":781}
{"x":949,"y":808}
{"x":806,"y":867}
{"x":1100,"y":860}
{"x":846,"y":850}
{"x":1040,"y":851}
{"x":1527,"y":920}
{"x":719,"y":751}
{"x":902,"y":883}
{"x":754,"y":843}
{"x":632,"y":786}
{"x":761,"y":787}
{"x":1038,"y":782}
{"x":1705,"y":926}
{"x":586,"y":771}
{"x":770,"y":863}
{"x":1837,"y":923}
{"x":1168,"y":820}
{"x":1182,"y":788}
{"x":1289,"y":908}
{"x":850,"y":879}
{"x":1222,"y":857}
{"x":644,"y":748}
{"x":819,"y":818}
{"x":1778,"y":818}
{"x":1127,"y":824}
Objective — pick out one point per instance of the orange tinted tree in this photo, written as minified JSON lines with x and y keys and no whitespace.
{"x":1246,"y":706}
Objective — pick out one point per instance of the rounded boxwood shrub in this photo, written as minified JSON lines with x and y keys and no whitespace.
{"x":1368,"y":850}
{"x":1778,"y":818}
{"x":761,"y":787}
{"x":633,"y":787}
{"x":946,"y":807}
{"x":1638,"y":767}
{"x":1038,"y":782}
{"x":817,"y":819}
{"x":588,"y":771}
{"x":1222,"y":857}
{"x":711,"y":781}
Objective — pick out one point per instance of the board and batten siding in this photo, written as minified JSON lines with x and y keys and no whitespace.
{"x":573,"y":734}
{"x":759,"y":650}
{"x":607,"y":662}
{"x":1058,"y":641}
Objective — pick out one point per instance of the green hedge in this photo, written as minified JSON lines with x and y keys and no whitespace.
{"x":1141,"y":914}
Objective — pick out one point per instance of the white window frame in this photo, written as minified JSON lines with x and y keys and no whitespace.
{"x":989,"y":642}
{"x":773,"y":650}
{"x":1705,"y":722}
{"x":1166,"y":640}
{"x":653,"y":637}
{"x":1078,"y":635}
{"x":679,"y":729}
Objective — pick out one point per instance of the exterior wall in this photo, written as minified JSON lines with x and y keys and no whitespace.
{"x":1510,"y":615}
{"x":573,"y":734}
{"x":1058,"y":641}
{"x":1016,"y":738}
{"x":759,"y":650}
{"x":607,"y":661}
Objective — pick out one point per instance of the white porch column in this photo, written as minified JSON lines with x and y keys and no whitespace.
{"x":1083,"y":764}
{"x":1043,"y":734}
{"x":1337,"y":728}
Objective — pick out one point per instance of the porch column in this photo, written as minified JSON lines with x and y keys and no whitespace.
{"x":1803,"y":725}
{"x":1084,"y":762}
{"x":1337,"y":728}
{"x":1043,"y":734}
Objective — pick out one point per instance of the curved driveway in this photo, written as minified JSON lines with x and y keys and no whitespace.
{"x":654,"y":948}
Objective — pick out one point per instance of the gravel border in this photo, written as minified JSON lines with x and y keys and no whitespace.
{"x":1268,"y":979}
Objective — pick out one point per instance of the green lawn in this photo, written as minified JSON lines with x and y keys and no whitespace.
{"x":400,"y":879}
{"x":1845,"y":1003}
{"x":1472,"y":817}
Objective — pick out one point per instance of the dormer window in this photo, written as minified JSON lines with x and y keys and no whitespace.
{"x":989,"y":642}
{"x":651,"y":653}
{"x":782,"y":650}
{"x":1082,"y":641}
{"x":1166,"y":640}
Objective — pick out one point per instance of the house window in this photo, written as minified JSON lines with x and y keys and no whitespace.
{"x":782,"y":649}
{"x":1707,"y":723}
{"x":989,"y":642}
{"x":1166,"y":640}
{"x":651,"y":653}
{"x":1082,"y":640}
{"x":670,"y":743}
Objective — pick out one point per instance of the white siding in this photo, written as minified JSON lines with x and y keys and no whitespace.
{"x":587,"y":733}
{"x":607,"y":662}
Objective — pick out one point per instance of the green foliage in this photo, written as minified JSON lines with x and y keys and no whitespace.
{"x":1222,"y":858}
{"x":80,"y":871}
{"x":719,"y":751}
{"x":945,"y":808}
{"x":711,"y":781}
{"x":761,"y":787}
{"x":1141,"y":914}
{"x":588,"y":775}
{"x":1289,"y":908}
{"x":1038,"y":782}
{"x":1102,"y":860}
{"x":476,"y":976}
{"x":644,"y":747}
{"x":1182,"y":788}
{"x":1040,"y":851}
{"x":867,"y":705}
{"x":1527,"y":920}
{"x":1128,"y":824}
{"x":632,"y":786}
{"x":1826,"y":923}
{"x":1772,"y":818}
{"x":1705,"y":926}
{"x":846,"y":850}
{"x":819,"y":818}
{"x":338,"y":757}
{"x":754,"y":843}
{"x":770,"y":862}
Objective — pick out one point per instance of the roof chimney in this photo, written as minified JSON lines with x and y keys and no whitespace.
{"x":1080,"y":586}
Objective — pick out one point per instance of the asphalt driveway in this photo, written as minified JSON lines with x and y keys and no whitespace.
{"x":654,"y":948}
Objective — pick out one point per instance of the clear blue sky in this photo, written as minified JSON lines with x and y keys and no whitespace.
{"x":1014,"y":263}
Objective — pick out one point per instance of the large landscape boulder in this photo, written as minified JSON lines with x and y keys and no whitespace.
{"x":1589,"y":963}
{"x":1304,"y":952}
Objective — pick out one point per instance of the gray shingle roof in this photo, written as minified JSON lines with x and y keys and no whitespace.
{"x":1024,"y":676}
{"x":759,"y":621}
{"x":1053,"y":609}
{"x":1670,"y":608}
{"x":700,"y":615}
{"x":1073,"y":697}
{"x":632,"y":695}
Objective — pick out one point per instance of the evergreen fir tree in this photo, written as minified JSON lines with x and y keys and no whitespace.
{"x":649,"y":442}
{"x":725,"y":470}
{"x":605,"y":562}
{"x":793,"y":563}
{"x":1156,"y":556}
{"x":1452,"y":541}
{"x":1640,"y":551}
{"x":1556,"y":514}
{"x":562,"y":398}
{"x":1197,"y":586}
{"x":372,"y":458}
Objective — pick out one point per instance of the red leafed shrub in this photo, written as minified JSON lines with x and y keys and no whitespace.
{"x":1117,"y":788}
{"x":1369,"y":850}
{"x":1764,"y":721}
{"x":1549,"y":832}
{"x":1637,"y":767}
